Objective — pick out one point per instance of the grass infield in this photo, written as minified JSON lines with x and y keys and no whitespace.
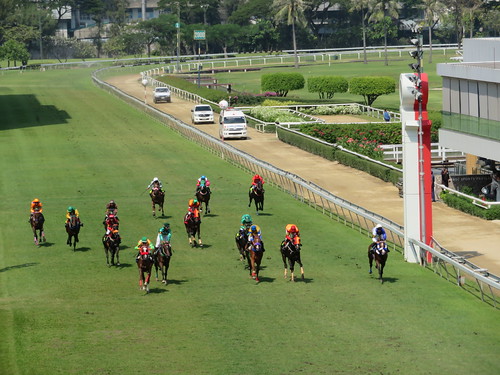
{"x":62,"y":312}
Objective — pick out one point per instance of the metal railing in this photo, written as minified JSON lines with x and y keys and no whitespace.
{"x":313,"y":195}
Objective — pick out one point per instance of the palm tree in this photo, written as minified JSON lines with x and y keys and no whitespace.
{"x":384,"y":11}
{"x":291,"y":11}
{"x":433,"y":9}
{"x":363,"y":6}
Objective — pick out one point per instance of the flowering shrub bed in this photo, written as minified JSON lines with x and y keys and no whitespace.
{"x":334,"y":110}
{"x":268,"y":114}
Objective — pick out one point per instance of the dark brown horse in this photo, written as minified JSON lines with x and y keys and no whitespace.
{"x":241,"y":243}
{"x":73,"y":229}
{"x":256,"y":252}
{"x":36,"y":221}
{"x":256,"y":194}
{"x":203,"y":196}
{"x":193,"y":224}
{"x":111,"y":242}
{"x":379,"y":254}
{"x":291,"y":252}
{"x":145,"y":264}
{"x":157,"y":198}
{"x":162,"y":257}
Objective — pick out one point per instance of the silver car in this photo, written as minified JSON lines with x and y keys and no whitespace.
{"x":162,"y":94}
{"x":202,"y":113}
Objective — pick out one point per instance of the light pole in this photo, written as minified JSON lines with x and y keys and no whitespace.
{"x":205,"y":7}
{"x":178,"y":25}
{"x":145,"y":84}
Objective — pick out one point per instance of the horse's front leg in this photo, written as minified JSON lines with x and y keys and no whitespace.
{"x":117,"y":255}
{"x":283,"y":257}
{"x":200,"y":243}
{"x":301,"y":267}
{"x":167,"y":265}
{"x":370,"y":261}
{"x":292,"y":267}
{"x":156,"y":270}
{"x":154,"y":208}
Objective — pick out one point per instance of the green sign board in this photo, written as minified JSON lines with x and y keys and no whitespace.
{"x":199,"y":34}
{"x":177,"y":25}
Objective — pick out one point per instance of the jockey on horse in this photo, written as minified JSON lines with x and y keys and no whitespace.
{"x":255,"y":179}
{"x":379,"y":239}
{"x":111,"y":219}
{"x":203,"y":181}
{"x":246,"y":223}
{"x":72,"y":211}
{"x":292,"y":234}
{"x":255,"y":234}
{"x":112,"y":208}
{"x":36,"y":206}
{"x":156,"y":183}
{"x":144,"y":247}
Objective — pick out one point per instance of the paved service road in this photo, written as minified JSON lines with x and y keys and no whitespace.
{"x":476,"y":239}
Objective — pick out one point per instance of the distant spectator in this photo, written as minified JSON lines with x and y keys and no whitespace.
{"x":445,"y":177}
{"x":433,"y":194}
{"x":387,"y":116}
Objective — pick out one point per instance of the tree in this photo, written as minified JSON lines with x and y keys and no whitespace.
{"x":291,"y":12}
{"x":363,"y":6}
{"x":159,"y":30}
{"x":15,"y":51}
{"x":383,"y":12}
{"x":327,"y":86}
{"x":224,"y":36}
{"x":433,"y":9}
{"x":372,"y":87}
{"x":251,"y":11}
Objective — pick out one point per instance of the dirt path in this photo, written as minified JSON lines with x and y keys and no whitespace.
{"x":476,"y":239}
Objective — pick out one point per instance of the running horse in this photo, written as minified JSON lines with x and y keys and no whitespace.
{"x":241,"y":243}
{"x":161,"y":258}
{"x":257,"y":195}
{"x":157,"y":198}
{"x":145,"y":264}
{"x":203,"y":196}
{"x":291,"y":251}
{"x":36,"y":221}
{"x":380,"y":257}
{"x":73,"y":228}
{"x":111,"y":242}
{"x":256,"y":252}
{"x":193,"y":228}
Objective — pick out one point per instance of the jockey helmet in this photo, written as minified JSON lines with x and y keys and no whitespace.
{"x":293,"y":229}
{"x":253,"y":228}
{"x":166,"y":225}
{"x":144,"y":239}
{"x":378,"y":226}
{"x":246,"y":218}
{"x":111,"y":216}
{"x":155,"y":179}
{"x":203,"y":178}
{"x":71,"y":208}
{"x":36,"y":200}
{"x":163,"y":230}
{"x":111,"y":201}
{"x":191,"y":202}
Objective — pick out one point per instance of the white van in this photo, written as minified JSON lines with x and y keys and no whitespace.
{"x":233,"y":124}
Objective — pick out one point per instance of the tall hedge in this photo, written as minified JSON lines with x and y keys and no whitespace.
{"x":327,"y":86}
{"x":281,"y":83}
{"x":372,"y":87}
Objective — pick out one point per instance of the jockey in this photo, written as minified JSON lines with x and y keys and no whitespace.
{"x":246,"y":222}
{"x":203,"y":180}
{"x":379,"y":233}
{"x":255,"y":180}
{"x":70,"y":212}
{"x":112,"y":206}
{"x":292,"y":234}
{"x":255,"y":236}
{"x":144,"y":242}
{"x":164,"y":235}
{"x":155,"y":183}
{"x":36,"y":205}
{"x":111,"y":223}
{"x":193,"y":205}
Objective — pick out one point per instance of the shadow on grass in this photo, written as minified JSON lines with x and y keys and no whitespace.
{"x":175,"y":282}
{"x":46,"y":244}
{"x":210,"y":215}
{"x":263,"y":214}
{"x":264,"y":279}
{"x":83,"y":249}
{"x":17,"y":266}
{"x":157,"y":291}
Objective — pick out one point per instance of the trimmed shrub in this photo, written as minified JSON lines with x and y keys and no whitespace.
{"x":281,"y":83}
{"x":387,"y":133}
{"x":269,"y":114}
{"x":372,"y":87}
{"x":327,"y":86}
{"x":465,"y":205}
{"x":351,"y":109}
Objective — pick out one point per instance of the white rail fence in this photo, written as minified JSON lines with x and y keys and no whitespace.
{"x":484,"y":285}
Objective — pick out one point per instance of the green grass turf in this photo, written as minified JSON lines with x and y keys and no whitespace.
{"x":250,"y":81}
{"x":63,"y":312}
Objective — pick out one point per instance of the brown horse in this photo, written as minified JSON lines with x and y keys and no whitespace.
{"x":256,"y":194}
{"x":36,"y":221}
{"x":111,"y":242}
{"x":73,"y":225}
{"x":145,"y":264}
{"x":291,"y":252}
{"x":256,"y":252}
{"x":193,"y":225}
{"x":203,"y":196}
{"x":162,"y":257}
{"x":379,"y":254}
{"x":157,"y":198}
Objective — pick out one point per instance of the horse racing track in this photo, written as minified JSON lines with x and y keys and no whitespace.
{"x":65,"y":312}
